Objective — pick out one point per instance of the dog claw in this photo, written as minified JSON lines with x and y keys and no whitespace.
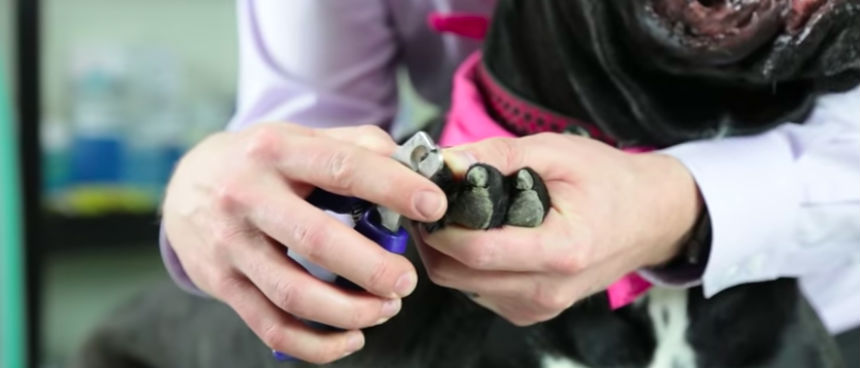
{"x":482,"y":200}
{"x":529,"y":202}
{"x":485,"y":199}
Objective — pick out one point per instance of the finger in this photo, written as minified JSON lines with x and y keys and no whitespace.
{"x":552,"y":247}
{"x":325,"y":241}
{"x":522,"y":298}
{"x":293,"y":290}
{"x":539,"y":152}
{"x":370,"y":137}
{"x":505,"y":154}
{"x":350,"y":170}
{"x":284,"y":333}
{"x":515,"y":310}
{"x":537,"y":288}
{"x":448,"y":272}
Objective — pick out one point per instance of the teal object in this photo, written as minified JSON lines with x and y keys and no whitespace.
{"x":12,"y":317}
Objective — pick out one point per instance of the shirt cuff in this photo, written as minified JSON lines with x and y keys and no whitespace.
{"x":174,"y":266}
{"x":685,"y":269}
{"x":751,"y":195}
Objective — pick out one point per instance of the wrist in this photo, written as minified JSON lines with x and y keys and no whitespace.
{"x":673,"y":206}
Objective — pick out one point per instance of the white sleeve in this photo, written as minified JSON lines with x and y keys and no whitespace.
{"x":783,"y":203}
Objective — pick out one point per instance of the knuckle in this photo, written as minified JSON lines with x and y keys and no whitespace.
{"x":374,"y":138}
{"x":538,"y":318}
{"x":436,"y":271}
{"x":479,"y":257}
{"x":228,"y":196}
{"x":516,"y":313}
{"x":521,"y":319}
{"x":520,"y":322}
{"x":550,"y":299}
{"x":374,"y":131}
{"x":264,"y":144}
{"x":325,"y":353}
{"x":509,"y":153}
{"x":439,"y":276}
{"x":567,"y":264}
{"x":339,"y":167}
{"x":308,"y":236}
{"x":376,"y":279}
{"x":359,"y":317}
{"x":224,"y":236}
{"x":274,"y":336}
{"x":551,"y":140}
{"x":288,"y":297}
{"x":226,"y":285}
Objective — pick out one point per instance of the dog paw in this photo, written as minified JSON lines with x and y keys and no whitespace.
{"x":529,"y":200}
{"x":482,"y":200}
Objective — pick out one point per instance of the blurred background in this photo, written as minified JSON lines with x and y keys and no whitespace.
{"x":123,"y":89}
{"x":126,"y":88}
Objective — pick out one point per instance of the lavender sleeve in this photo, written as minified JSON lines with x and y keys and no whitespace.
{"x":790,"y":208}
{"x":174,"y":266}
{"x":320,"y":63}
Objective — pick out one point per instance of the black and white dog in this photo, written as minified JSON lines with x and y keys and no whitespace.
{"x":654,"y":72}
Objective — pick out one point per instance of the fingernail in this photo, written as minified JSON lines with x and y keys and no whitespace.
{"x":389,"y":309}
{"x":405,"y":284}
{"x":355,"y":343}
{"x":429,"y":204}
{"x":459,"y":161}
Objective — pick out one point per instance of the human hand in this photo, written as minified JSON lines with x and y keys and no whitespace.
{"x":236,"y":202}
{"x":612,"y":213}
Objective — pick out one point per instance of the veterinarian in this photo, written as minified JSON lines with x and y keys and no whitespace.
{"x":317,"y":96}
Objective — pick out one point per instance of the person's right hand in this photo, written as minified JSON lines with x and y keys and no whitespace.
{"x":236,"y":202}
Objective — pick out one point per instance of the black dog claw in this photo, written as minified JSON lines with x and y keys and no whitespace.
{"x":482,"y":200}
{"x":529,"y":200}
{"x":485,"y":199}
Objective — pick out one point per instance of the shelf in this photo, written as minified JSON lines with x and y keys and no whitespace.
{"x":108,"y":230}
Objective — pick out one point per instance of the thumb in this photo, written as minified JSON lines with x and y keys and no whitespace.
{"x":505,"y":154}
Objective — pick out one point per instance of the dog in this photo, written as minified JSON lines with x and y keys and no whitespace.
{"x":646,"y":72}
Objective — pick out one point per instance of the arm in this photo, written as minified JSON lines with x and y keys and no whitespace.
{"x":319,"y":63}
{"x":236,"y":202}
{"x":783,"y":203}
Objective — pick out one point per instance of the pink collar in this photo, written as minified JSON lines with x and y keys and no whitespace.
{"x":468,"y":121}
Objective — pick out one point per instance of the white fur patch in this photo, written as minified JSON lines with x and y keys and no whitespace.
{"x":549,"y":361}
{"x":668,"y":311}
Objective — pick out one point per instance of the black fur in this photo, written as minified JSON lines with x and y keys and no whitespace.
{"x":584,"y":59}
{"x":167,"y":327}
{"x":758,"y":324}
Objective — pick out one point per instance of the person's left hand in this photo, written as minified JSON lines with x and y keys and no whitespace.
{"x":612,"y":213}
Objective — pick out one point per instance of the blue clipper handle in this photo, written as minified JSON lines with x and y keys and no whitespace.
{"x":334,"y":202}
{"x":368,"y":224}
